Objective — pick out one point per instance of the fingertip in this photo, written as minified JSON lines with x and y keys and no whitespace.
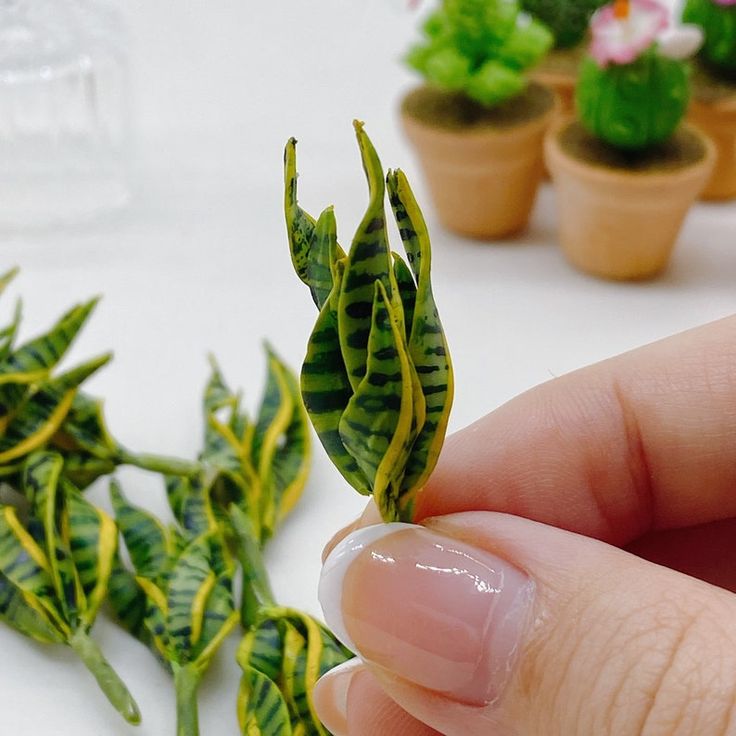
{"x":370,"y":516}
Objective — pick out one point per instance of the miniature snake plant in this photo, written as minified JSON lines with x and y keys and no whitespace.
{"x":481,"y":48}
{"x":377,"y":379}
{"x":56,"y":558}
{"x":634,"y":89}
{"x":717,"y":18}
{"x":567,"y":19}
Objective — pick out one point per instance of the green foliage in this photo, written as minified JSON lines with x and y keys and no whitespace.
{"x":55,"y":565}
{"x":719,"y":25}
{"x":481,"y":48}
{"x":633,"y":106}
{"x":377,"y":379}
{"x":567,"y":19}
{"x":177,"y":600}
{"x":282,"y":656}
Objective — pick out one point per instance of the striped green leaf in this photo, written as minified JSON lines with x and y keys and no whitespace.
{"x":281,"y":445}
{"x":262,"y":710}
{"x":427,"y":343}
{"x":128,"y":602}
{"x":41,"y":480}
{"x":292,"y":650}
{"x":23,"y":615}
{"x":41,"y":414}
{"x":85,"y":430}
{"x":24,"y":563}
{"x":369,"y":261}
{"x":83,"y":469}
{"x":377,"y":422}
{"x":326,"y":391}
{"x":189,"y":587}
{"x":324,"y":251}
{"x":299,"y":224}
{"x":92,"y":538}
{"x":145,"y":536}
{"x":34,"y":360}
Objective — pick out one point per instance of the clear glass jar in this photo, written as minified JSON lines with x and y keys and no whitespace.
{"x":64,"y":111}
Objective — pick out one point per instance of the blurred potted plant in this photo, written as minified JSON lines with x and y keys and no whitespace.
{"x":713,"y":107}
{"x":626,"y":171}
{"x":478,"y":124}
{"x":568,"y":20}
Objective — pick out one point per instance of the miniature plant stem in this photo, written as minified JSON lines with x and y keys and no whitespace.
{"x":159,"y":464}
{"x":257,"y":593}
{"x":186,"y":682}
{"x":110,"y":684}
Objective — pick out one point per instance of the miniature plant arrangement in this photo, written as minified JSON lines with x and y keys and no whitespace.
{"x":55,"y":565}
{"x":478,"y":124}
{"x":713,"y":106}
{"x":626,"y":172}
{"x":377,"y":378}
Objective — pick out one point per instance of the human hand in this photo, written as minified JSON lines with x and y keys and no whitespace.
{"x":528,"y":602}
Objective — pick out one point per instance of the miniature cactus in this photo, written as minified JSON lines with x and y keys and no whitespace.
{"x":717,"y":18}
{"x":481,"y":48}
{"x":633,"y":90}
{"x":377,"y":379}
{"x":567,"y":19}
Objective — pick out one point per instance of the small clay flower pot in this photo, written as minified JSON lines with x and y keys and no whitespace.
{"x":717,"y":118}
{"x":620,"y":214}
{"x":483,"y":166}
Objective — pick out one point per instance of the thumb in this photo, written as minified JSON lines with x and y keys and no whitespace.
{"x":482,"y":623}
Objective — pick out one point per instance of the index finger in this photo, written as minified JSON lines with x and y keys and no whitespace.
{"x":640,"y":442}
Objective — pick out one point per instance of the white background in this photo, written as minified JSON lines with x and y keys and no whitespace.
{"x":199,"y":263}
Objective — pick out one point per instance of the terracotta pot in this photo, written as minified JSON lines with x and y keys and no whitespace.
{"x":483,"y":180}
{"x":718,"y":120}
{"x":621,"y":224}
{"x":563,"y":85}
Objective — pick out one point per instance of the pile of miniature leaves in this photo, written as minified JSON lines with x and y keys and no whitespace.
{"x":481,"y":48}
{"x":59,"y":557}
{"x":377,"y":379}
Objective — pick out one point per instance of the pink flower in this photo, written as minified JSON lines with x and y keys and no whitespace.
{"x":623,"y":30}
{"x":725,"y":2}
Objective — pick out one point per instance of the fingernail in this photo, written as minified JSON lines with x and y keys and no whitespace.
{"x":331,"y":696}
{"x":431,"y":609}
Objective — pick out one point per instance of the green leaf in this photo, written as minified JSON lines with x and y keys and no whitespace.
{"x":324,"y":251}
{"x":26,"y":566}
{"x":262,"y":710}
{"x":281,"y":449}
{"x":85,"y":429}
{"x":145,"y":537}
{"x":41,"y":414}
{"x":299,"y":224}
{"x":326,"y":391}
{"x":261,"y":649}
{"x":427,"y":343}
{"x":93,"y":540}
{"x":41,"y":475}
{"x":9,"y":333}
{"x":189,"y":586}
{"x":128,"y":602}
{"x":369,"y":261}
{"x":24,"y":617}
{"x":377,"y":423}
{"x":34,"y":360}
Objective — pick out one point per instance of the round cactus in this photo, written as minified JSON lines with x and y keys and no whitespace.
{"x":633,"y":106}
{"x":718,"y":21}
{"x":567,"y":19}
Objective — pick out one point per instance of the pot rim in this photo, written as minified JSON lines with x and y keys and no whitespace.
{"x":539,"y":121}
{"x":553,"y":149}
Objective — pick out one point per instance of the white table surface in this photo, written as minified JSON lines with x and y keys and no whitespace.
{"x":199,"y":262}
